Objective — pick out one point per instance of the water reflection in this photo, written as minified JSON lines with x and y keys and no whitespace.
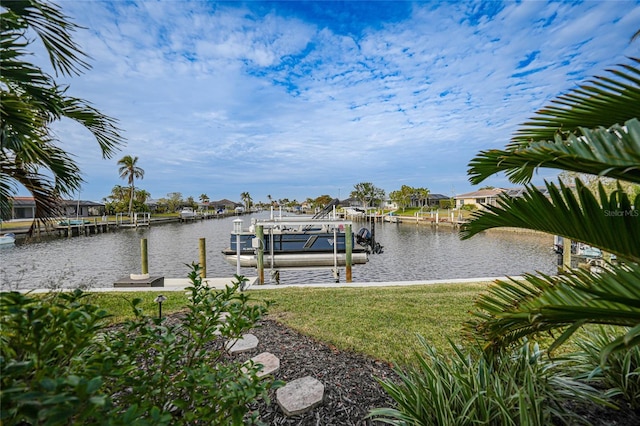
{"x":411,"y":252}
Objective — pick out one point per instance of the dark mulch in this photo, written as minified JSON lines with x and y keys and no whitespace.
{"x":350,"y":388}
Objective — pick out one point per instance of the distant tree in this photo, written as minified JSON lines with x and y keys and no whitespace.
{"x":422,"y":194}
{"x":593,"y":182}
{"x":402,"y":197}
{"x":142,"y":196}
{"x":190,"y":202}
{"x":118,"y":193}
{"x":487,"y":187}
{"x":174,"y":201}
{"x":31,"y":100}
{"x":246,"y":200}
{"x":367,"y":193}
{"x":204,"y":198}
{"x":323,"y":200}
{"x":270,"y":199}
{"x":129,"y":170}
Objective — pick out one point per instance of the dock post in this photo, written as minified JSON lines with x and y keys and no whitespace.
{"x":260,"y":253}
{"x":145,"y":258}
{"x":348,"y":251}
{"x":203,"y":258}
{"x":566,"y":254}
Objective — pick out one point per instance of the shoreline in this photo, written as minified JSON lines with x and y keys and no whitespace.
{"x":179,"y":284}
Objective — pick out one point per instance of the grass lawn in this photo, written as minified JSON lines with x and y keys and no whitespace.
{"x":379,"y":322}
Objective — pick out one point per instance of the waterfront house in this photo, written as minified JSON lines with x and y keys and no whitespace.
{"x":478,"y":199}
{"x":25,"y":208}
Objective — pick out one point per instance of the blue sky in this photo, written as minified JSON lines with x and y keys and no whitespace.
{"x":300,"y":99}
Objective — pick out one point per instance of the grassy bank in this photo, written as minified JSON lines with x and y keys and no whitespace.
{"x":379,"y":322}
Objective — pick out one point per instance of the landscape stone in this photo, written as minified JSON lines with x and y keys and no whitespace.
{"x":300,"y":396}
{"x":270,"y":364}
{"x":246,"y":343}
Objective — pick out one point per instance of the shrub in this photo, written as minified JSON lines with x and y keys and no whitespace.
{"x":474,"y":387}
{"x":618,"y":373}
{"x":60,"y":364}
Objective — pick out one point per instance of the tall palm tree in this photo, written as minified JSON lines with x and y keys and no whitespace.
{"x":130,"y":171}
{"x":246,"y":199}
{"x":30,"y":100}
{"x":594,"y":129}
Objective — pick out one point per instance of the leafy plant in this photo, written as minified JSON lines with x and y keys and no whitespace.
{"x":473,"y":386}
{"x":61,"y":365}
{"x":619,"y":375}
{"x":595,"y":129}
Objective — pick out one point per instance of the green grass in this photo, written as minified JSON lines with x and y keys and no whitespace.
{"x":379,"y":322}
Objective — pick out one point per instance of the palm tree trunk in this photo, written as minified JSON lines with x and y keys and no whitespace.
{"x":131,"y":200}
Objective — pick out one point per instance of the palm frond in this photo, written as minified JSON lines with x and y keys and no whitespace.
{"x":613,"y":152}
{"x":610,"y":223}
{"x":601,"y":102}
{"x":54,"y":29}
{"x":514,"y":309}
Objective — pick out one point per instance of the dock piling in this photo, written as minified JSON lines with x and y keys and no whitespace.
{"x":260,"y":253}
{"x":203,"y":258}
{"x":145,"y":258}
{"x":348,"y":251}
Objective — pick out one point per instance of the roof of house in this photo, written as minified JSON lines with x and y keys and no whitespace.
{"x":482,"y":193}
{"x":30,"y":202}
{"x":437,"y":197}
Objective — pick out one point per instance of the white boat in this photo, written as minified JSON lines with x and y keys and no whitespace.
{"x":187,"y":213}
{"x":8,"y":238}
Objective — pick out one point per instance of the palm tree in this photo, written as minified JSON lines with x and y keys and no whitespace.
{"x":595,"y":130}
{"x":246,"y":199}
{"x":130,"y":171}
{"x":31,"y":100}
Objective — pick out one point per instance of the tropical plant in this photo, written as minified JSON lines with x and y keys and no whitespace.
{"x":129,"y":170}
{"x":246,"y":199}
{"x":472,"y":387}
{"x":619,"y":376}
{"x":31,"y":100}
{"x":595,"y":130}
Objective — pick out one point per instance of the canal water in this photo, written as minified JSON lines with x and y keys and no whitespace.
{"x":411,"y":253}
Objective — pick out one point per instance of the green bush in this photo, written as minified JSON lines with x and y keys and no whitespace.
{"x":474,"y":387}
{"x":60,"y":364}
{"x":618,"y":373}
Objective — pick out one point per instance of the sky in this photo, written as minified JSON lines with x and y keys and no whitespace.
{"x":299,"y":99}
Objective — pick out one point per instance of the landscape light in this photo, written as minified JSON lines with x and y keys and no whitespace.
{"x":159,"y":301}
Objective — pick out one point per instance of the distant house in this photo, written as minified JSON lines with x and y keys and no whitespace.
{"x":489,"y":197}
{"x":25,"y":208}
{"x":480,"y":198}
{"x":224,"y":204}
{"x":432,"y":200}
{"x":82,"y":208}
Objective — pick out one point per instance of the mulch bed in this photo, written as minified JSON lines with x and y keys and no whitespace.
{"x":350,"y":388}
{"x":349,"y":379}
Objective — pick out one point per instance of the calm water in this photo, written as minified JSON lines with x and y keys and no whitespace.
{"x":411,"y":252}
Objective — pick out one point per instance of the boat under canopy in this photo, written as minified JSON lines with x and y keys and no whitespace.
{"x":296,"y":243}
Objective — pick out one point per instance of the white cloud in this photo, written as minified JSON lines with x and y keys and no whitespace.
{"x":222,"y":98}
